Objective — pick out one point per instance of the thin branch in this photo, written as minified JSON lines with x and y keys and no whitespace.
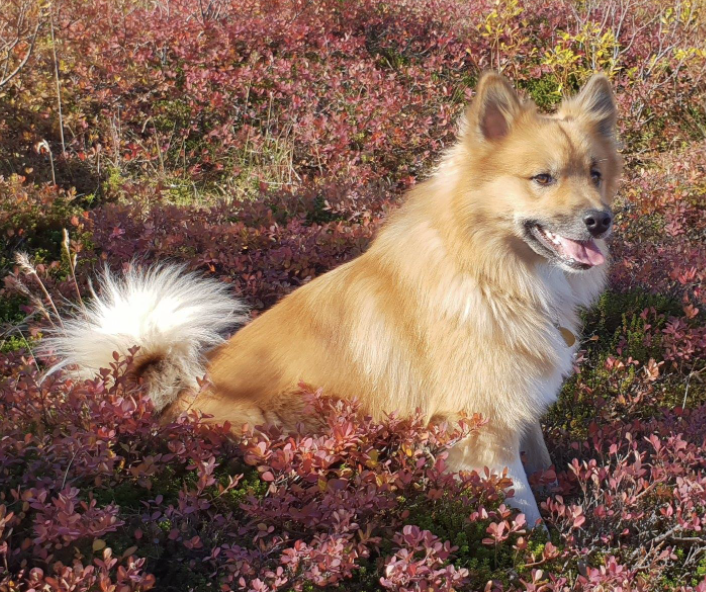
{"x":7,"y":78}
{"x":58,"y":85}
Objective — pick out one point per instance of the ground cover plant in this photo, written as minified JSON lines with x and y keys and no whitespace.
{"x":263,"y":143}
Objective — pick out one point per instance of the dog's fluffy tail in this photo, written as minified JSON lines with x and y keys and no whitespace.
{"x":173,"y":316}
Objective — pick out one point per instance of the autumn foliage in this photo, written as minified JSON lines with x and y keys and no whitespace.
{"x":263,"y":143}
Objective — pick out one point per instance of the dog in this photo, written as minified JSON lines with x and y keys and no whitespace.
{"x":466,"y":302}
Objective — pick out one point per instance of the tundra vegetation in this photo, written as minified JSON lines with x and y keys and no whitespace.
{"x":263,"y":142}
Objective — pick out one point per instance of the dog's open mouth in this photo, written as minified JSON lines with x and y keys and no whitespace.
{"x":578,"y":254}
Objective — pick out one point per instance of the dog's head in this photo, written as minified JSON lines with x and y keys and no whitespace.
{"x":548,"y":181}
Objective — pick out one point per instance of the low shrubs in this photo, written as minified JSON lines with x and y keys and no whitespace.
{"x":263,"y":143}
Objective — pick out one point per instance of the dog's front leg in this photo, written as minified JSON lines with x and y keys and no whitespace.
{"x":497,"y":449}
{"x":536,"y":454}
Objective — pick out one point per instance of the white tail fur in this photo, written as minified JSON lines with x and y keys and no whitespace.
{"x":173,"y":316}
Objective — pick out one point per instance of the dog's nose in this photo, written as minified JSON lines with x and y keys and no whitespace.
{"x":598,"y":221}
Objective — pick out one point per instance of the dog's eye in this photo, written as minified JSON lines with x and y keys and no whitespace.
{"x":543,"y":179}
{"x":596,"y":176}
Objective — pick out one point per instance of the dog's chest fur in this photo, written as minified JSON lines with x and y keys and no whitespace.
{"x":475,"y":347}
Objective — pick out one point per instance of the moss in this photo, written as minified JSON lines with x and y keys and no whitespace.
{"x":171,"y":115}
{"x":12,"y":338}
{"x":678,"y":577}
{"x":318,"y":214}
{"x":11,"y":310}
{"x":388,"y":54}
{"x":249,"y":486}
{"x":469,"y":80}
{"x":114,"y":182}
{"x":674,"y":392}
{"x":619,"y":313}
{"x":615,"y":322}
{"x":180,"y":193}
{"x":126,"y":495}
{"x":36,"y":226}
{"x":12,"y":343}
{"x":573,"y":412}
{"x":182,"y":576}
{"x":700,"y":572}
{"x":544,"y":91}
{"x":448,"y":519}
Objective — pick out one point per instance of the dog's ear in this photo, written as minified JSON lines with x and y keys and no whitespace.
{"x":595,"y":104}
{"x":492,"y":112}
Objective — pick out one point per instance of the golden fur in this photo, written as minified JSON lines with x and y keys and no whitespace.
{"x":450,"y":310}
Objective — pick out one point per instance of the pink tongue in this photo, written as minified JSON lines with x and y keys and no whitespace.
{"x":583,"y":252}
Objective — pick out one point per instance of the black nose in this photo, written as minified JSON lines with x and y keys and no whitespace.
{"x":598,"y":221}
